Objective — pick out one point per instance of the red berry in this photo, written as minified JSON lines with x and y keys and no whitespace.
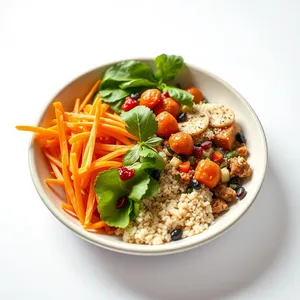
{"x":165,"y":94}
{"x":206,"y":145}
{"x":129,"y":104}
{"x":125,"y":173}
{"x":122,"y":202}
{"x":198,"y":152}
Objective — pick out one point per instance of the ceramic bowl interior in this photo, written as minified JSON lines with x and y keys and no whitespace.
{"x":216,"y":91}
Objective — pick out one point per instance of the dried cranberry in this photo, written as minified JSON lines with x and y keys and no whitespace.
{"x":198,"y":152}
{"x":122,"y":202}
{"x":129,"y":104}
{"x":165,"y":94}
{"x":125,"y":173}
{"x":206,"y":145}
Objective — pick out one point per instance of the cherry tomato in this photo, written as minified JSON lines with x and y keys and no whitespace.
{"x":170,"y":105}
{"x":181,"y":143}
{"x":196,"y":93}
{"x":150,"y":98}
{"x":167,"y":124}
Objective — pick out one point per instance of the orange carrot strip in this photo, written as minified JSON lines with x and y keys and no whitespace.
{"x":113,"y":117}
{"x":91,"y":202}
{"x":76,"y":181}
{"x":117,"y":136}
{"x":54,"y":180}
{"x":93,"y":109}
{"x":97,"y":225}
{"x":108,"y":147}
{"x":87,"y":109}
{"x":76,"y":106}
{"x":56,"y":171}
{"x":78,"y":137}
{"x":67,"y":206}
{"x":64,"y":154}
{"x":117,"y":130}
{"x":96,"y":165}
{"x":88,"y":153}
{"x":49,"y":133}
{"x":51,"y":143}
{"x":89,"y":95}
{"x":53,"y":159}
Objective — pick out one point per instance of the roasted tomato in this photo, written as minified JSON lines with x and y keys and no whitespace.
{"x":170,"y":105}
{"x":196,"y":93}
{"x":181,"y":143}
{"x":167,"y":124}
{"x":150,"y":98}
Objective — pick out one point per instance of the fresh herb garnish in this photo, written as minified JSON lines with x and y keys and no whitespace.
{"x":141,"y":123}
{"x":125,"y":78}
{"x":143,"y":158}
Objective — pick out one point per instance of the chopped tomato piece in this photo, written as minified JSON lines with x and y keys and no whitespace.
{"x":217,"y":156}
{"x":184,"y":167}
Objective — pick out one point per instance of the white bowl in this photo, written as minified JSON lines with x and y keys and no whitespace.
{"x":216,"y":91}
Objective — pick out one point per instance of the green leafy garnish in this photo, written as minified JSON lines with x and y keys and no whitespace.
{"x":142,"y":158}
{"x":140,"y":122}
{"x":110,"y":188}
{"x":127,"y":77}
{"x":180,"y":95}
{"x":168,"y":67}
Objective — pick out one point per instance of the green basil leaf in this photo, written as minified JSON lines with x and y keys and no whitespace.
{"x":126,"y":71}
{"x":153,"y":141}
{"x":131,"y":156}
{"x":155,"y":162}
{"x":168,"y":67}
{"x":110,"y":188}
{"x":140,"y":122}
{"x":146,"y":151}
{"x":116,"y":106}
{"x":183,"y":97}
{"x":140,"y":187}
{"x":137,"y":83}
{"x":135,"y":210}
{"x":113,"y":95}
{"x":152,"y":188}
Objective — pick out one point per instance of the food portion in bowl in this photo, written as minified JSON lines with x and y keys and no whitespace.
{"x":142,"y":159}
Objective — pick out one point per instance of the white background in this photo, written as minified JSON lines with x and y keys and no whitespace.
{"x":253,"y":45}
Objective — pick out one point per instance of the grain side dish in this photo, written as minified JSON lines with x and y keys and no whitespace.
{"x":142,"y":159}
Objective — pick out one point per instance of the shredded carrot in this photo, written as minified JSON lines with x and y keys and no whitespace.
{"x":76,"y":181}
{"x":88,"y":153}
{"x":91,"y":202}
{"x":108,"y":147}
{"x":56,"y":171}
{"x":96,"y":165}
{"x":73,"y":145}
{"x":76,"y":105}
{"x":89,"y":95}
{"x":53,"y":159}
{"x":55,"y":181}
{"x":65,"y":155}
{"x":97,"y":225}
{"x":79,"y":137}
{"x":46,"y":133}
{"x":51,"y":143}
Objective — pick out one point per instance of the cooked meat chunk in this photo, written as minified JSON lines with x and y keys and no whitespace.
{"x":242,"y":150}
{"x":226,"y":193}
{"x":239,"y":167}
{"x":219,"y":206}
